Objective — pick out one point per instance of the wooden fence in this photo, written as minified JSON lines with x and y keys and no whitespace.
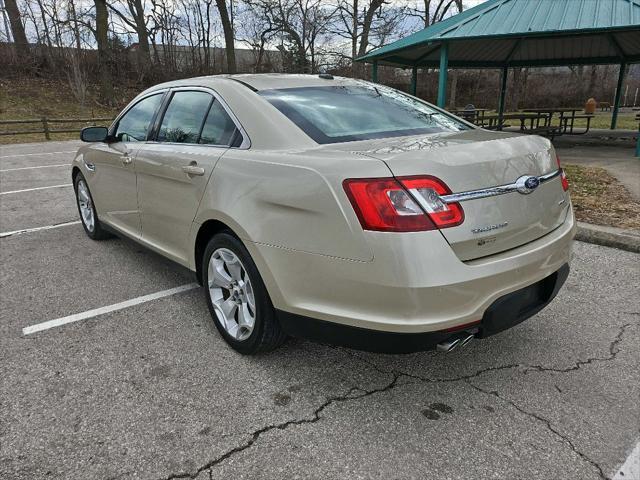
{"x":46,"y":123}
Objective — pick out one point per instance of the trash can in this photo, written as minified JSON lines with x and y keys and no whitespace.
{"x":590,"y":106}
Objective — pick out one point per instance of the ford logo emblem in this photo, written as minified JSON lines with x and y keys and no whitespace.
{"x":527,"y":184}
{"x":532,"y":183}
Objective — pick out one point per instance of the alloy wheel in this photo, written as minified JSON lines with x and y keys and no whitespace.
{"x":86,"y":206}
{"x":231,"y":294}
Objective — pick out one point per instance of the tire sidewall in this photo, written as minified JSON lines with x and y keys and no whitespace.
{"x":264,"y":308}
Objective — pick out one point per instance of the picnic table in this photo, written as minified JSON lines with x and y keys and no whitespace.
{"x":566,"y":116}
{"x":497,"y":121}
{"x":474,"y":115}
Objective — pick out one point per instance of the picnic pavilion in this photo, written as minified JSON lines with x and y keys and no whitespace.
{"x":502,"y":34}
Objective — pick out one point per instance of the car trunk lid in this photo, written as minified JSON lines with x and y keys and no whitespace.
{"x":478,"y":160}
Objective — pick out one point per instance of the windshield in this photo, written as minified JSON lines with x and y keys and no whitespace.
{"x":358,"y":112}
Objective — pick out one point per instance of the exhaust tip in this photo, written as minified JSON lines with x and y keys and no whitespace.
{"x":448,"y":344}
{"x":467,"y":339}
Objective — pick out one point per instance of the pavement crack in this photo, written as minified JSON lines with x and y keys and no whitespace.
{"x":614,"y":350}
{"x":316,"y":417}
{"x":414,"y":376}
{"x":565,"y":439}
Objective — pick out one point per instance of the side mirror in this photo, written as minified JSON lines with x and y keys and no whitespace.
{"x":94,"y":134}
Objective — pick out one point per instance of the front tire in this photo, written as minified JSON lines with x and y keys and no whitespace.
{"x":237,"y":298}
{"x":87,"y":210}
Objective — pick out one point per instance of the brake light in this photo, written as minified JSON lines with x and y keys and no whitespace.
{"x":563,"y":175}
{"x":406,"y":204}
{"x":382,"y":204}
{"x":427,"y":191}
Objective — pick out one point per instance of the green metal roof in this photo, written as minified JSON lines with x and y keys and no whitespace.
{"x":525,"y":33}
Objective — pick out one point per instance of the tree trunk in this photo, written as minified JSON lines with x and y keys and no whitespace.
{"x":354,"y":40}
{"x":144,"y":52}
{"x":593,"y":81}
{"x":454,"y":85}
{"x":228,"y":36}
{"x":515,"y":90}
{"x":366,"y":25}
{"x":104,"y":52}
{"x":17,"y":29}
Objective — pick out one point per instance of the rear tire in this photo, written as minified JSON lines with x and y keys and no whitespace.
{"x":87,"y":210}
{"x":237,"y":298}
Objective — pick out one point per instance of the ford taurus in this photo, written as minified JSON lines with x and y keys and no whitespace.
{"x":332,"y":209}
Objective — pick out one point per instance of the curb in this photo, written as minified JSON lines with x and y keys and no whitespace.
{"x":628,"y":240}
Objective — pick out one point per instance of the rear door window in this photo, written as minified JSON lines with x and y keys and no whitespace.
{"x":183,"y":118}
{"x":219,"y":128}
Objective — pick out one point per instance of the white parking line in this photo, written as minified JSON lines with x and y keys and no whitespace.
{"x":37,"y":229}
{"x":33,"y":154}
{"x":37,"y":188}
{"x":108,"y":309}
{"x":34,"y":168}
{"x":631,"y":467}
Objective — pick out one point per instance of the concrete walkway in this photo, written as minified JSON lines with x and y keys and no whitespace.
{"x":619,"y":161}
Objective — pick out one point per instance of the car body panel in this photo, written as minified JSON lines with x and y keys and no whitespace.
{"x":113,"y":183}
{"x":291,"y":199}
{"x":420,"y":285}
{"x":168,"y":196}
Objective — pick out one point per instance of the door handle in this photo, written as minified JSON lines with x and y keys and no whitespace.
{"x":193,"y":170}
{"x":126,"y":160}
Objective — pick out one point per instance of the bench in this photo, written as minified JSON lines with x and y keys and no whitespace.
{"x":568,"y":123}
{"x":604,"y":106}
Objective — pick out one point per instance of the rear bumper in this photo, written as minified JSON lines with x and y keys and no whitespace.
{"x":506,"y":312}
{"x":414,"y":284}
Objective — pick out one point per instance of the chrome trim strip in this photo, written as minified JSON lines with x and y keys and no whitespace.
{"x":493,"y":191}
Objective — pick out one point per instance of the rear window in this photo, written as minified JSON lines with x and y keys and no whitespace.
{"x":358,"y":112}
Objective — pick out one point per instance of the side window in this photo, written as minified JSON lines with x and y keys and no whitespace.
{"x":218,"y":129}
{"x":183,"y":118}
{"x":134,"y":125}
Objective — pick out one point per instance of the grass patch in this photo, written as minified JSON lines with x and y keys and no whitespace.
{"x":34,"y":98}
{"x":625,"y":122}
{"x":599,"y":198}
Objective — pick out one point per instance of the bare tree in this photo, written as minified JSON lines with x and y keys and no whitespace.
{"x":366,"y":24}
{"x":257,"y":32}
{"x":435,"y":10}
{"x":104,"y":53}
{"x":227,"y":28}
{"x":17,"y":28}
{"x":136,"y":18}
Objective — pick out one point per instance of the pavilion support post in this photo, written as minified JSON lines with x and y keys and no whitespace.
{"x":503,"y":95}
{"x":442,"y":77}
{"x":414,"y":80}
{"x":616,"y":101}
{"x":374,"y":71}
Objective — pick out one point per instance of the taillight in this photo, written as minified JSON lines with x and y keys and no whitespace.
{"x":427,"y":191}
{"x":563,"y":176}
{"x":385,"y":204}
{"x":382,"y":204}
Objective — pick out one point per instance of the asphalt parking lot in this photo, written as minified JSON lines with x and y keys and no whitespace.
{"x":151,"y":391}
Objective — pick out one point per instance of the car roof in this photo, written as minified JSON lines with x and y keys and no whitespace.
{"x":263,"y":81}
